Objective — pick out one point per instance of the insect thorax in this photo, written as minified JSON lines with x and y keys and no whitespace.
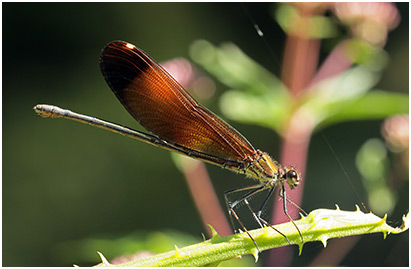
{"x":263,"y":168}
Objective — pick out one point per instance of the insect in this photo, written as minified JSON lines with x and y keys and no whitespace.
{"x":179,"y":123}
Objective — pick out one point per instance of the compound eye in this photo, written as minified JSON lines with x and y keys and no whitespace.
{"x":293,"y":178}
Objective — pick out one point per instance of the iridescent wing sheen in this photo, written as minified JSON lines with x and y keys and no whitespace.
{"x":162,"y":106}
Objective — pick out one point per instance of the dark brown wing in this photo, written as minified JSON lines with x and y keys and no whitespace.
{"x":162,"y":106}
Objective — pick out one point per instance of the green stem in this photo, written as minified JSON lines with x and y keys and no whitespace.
{"x":319,"y":225}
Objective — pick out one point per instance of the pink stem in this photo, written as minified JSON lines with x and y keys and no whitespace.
{"x":299,"y":66}
{"x":205,"y":197}
{"x":336,"y":63}
{"x":294,"y":151}
{"x":298,"y":75}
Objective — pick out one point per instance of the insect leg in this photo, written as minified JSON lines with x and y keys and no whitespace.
{"x":230,"y":206}
{"x":286,"y":212}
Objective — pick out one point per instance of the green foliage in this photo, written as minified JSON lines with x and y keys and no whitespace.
{"x":291,"y":21}
{"x":258,"y":97}
{"x":373,"y":164}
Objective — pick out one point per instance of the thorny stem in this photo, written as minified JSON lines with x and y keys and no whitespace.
{"x":319,"y":225}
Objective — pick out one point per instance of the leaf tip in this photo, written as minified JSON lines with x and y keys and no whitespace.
{"x":323,"y":240}
{"x":265,"y":233}
{"x":214,"y":234}
{"x":300,"y":248}
{"x":104,"y":261}
{"x":255,"y":253}
{"x":337,"y":207}
{"x":404,"y":226}
{"x":177,"y":251}
{"x":405,"y":221}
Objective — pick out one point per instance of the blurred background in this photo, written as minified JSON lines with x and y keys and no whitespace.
{"x":70,"y":190}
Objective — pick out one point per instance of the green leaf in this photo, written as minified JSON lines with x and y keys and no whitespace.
{"x":315,"y":26}
{"x":319,"y":225}
{"x":361,"y":52}
{"x":373,"y":164}
{"x":322,"y":27}
{"x":234,"y":68}
{"x":263,"y":110}
{"x":374,"y":105}
{"x":257,"y":96}
{"x":285,"y":15}
{"x":348,"y":97}
{"x":326,"y":98}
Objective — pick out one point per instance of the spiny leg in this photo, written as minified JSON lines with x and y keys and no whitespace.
{"x":231,"y":206}
{"x":260,"y":210}
{"x":254,"y":189}
{"x":259,"y":219}
{"x":229,"y":213}
{"x":294,"y":204}
{"x":245,"y":229}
